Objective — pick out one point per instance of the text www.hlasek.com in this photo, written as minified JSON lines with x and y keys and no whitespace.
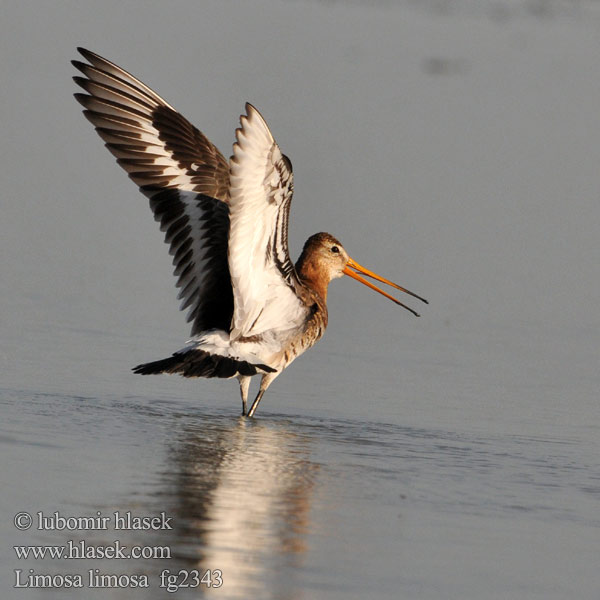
{"x":81,"y":550}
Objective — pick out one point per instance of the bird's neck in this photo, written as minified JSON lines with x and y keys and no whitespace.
{"x":313,"y":276}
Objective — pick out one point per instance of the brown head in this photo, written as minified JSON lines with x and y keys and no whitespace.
{"x":323,"y":258}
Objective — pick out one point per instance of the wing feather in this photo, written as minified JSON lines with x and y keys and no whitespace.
{"x":263,"y":276}
{"x":180,"y":170}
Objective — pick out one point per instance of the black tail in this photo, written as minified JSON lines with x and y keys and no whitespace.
{"x":198,"y":363}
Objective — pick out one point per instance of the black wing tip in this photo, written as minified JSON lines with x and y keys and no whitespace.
{"x":81,"y":81}
{"x":87,"y":54}
{"x":83,"y":99}
{"x":81,"y":66}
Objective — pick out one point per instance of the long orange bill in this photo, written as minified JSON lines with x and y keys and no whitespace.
{"x":354,"y":265}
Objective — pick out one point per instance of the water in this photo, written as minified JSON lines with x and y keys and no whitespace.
{"x":291,"y":505}
{"x":452,"y":148}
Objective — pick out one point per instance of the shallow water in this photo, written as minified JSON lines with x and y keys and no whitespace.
{"x":290,"y":506}
{"x":453,"y":456}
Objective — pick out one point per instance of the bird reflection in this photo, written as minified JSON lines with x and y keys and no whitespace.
{"x":241,"y":499}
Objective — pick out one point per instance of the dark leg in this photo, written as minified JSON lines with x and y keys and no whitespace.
{"x":265,"y":382}
{"x":244,"y":386}
{"x":255,"y":403}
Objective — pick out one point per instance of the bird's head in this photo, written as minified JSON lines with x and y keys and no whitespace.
{"x":324,"y":258}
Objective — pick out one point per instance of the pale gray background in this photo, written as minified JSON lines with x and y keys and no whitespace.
{"x":453,"y":147}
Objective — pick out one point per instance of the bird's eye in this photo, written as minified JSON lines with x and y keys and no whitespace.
{"x":335,"y":249}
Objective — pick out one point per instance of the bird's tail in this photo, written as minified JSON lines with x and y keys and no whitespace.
{"x":199,"y":363}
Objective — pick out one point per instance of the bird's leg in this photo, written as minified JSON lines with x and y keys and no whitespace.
{"x":255,"y":403}
{"x":244,"y":386}
{"x":265,"y":382}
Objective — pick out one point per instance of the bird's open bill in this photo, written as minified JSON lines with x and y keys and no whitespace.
{"x":354,"y":265}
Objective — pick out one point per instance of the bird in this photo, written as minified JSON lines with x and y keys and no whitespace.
{"x":252,"y":310}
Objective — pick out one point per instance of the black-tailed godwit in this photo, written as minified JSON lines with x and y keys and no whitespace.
{"x":226,"y":222}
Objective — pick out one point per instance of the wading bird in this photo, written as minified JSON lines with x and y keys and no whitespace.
{"x":226,"y":222}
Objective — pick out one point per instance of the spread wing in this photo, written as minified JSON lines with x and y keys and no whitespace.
{"x":263,"y":276}
{"x":185,"y":177}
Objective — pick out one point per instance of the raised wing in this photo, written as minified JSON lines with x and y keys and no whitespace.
{"x":263,"y":276}
{"x":183,"y":174}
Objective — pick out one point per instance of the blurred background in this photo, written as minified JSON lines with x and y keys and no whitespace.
{"x":451,"y":146}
